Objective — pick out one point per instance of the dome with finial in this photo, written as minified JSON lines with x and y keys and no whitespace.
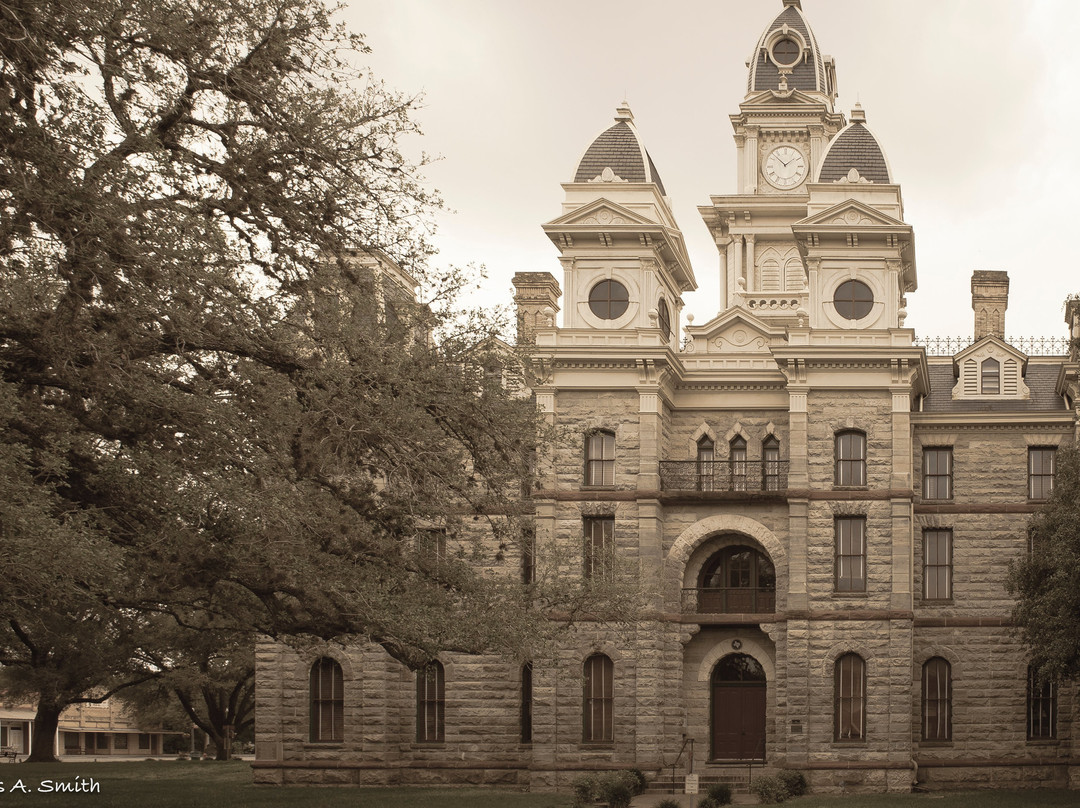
{"x":855,"y":155}
{"x":617,"y":155}
{"x":787,"y":56}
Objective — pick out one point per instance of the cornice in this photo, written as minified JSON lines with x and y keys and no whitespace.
{"x":993,"y":420}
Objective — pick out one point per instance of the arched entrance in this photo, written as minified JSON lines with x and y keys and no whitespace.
{"x":737,"y":580}
{"x":738,"y":709}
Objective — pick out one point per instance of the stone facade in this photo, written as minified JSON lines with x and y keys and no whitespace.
{"x":822,"y":516}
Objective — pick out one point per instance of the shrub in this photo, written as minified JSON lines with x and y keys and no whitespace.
{"x":617,"y":789}
{"x":794,"y":782}
{"x":769,"y":790}
{"x":668,"y":803}
{"x":707,"y":802}
{"x":720,"y":793}
{"x":585,"y":790}
{"x":641,"y":780}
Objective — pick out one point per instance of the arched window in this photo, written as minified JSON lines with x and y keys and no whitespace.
{"x":706,"y":464}
{"x":663,"y":317}
{"x":770,"y":464}
{"x":990,"y":384}
{"x":851,"y":457}
{"x":737,"y":580}
{"x":937,"y":700}
{"x":600,"y":459}
{"x":431,"y":703}
{"x":526,"y":702}
{"x":1042,"y":706}
{"x":737,"y":459}
{"x":325,"y":689}
{"x":850,"y":699}
{"x":598,"y":700}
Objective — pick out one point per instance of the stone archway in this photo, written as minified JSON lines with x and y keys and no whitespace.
{"x":694,"y":535}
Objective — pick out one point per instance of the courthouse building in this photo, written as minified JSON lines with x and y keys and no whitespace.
{"x":822,"y":509}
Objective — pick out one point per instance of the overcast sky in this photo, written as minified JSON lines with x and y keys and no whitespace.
{"x":975,"y":103}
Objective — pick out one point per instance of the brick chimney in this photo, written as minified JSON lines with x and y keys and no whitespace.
{"x":989,"y":299}
{"x":535,"y":293}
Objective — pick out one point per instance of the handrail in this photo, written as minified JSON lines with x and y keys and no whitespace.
{"x":678,"y":757}
{"x":768,"y":476}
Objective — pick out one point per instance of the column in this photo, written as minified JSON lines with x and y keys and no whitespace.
{"x":725,"y":289}
{"x":751,"y":271}
{"x":751,"y":160}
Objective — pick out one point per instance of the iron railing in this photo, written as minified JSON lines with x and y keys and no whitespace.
{"x":1032,"y":346}
{"x":730,"y":600}
{"x":723,"y":475}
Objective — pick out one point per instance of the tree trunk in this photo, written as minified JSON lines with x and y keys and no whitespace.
{"x":43,"y":744}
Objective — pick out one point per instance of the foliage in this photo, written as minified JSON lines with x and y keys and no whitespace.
{"x":769,"y":790}
{"x":707,"y":802}
{"x":668,"y":803}
{"x":794,"y":782}
{"x":642,"y":782}
{"x":1046,"y":581}
{"x":720,"y":793}
{"x":220,"y":405}
{"x":617,"y":789}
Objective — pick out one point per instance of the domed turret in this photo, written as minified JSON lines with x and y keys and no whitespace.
{"x":617,"y":155}
{"x":855,"y":155}
{"x":787,"y":57}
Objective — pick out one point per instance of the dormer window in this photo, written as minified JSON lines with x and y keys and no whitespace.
{"x":990,"y":382}
{"x":990,"y":369}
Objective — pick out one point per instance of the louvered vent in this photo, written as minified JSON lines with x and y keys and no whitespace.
{"x":770,"y":276}
{"x":1010,"y":377}
{"x":971,"y":378}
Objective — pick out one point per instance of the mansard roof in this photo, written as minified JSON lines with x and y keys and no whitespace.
{"x":618,"y":149}
{"x":855,"y":148}
{"x":808,"y":72}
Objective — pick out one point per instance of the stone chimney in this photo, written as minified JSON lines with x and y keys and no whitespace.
{"x":989,"y":299}
{"x":537,"y":297}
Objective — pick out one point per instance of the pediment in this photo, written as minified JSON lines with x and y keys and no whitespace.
{"x":990,"y":346}
{"x":601,"y":213}
{"x":767,"y":98}
{"x":850,"y":213}
{"x":735,"y":331}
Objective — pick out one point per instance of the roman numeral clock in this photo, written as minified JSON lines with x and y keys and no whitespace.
{"x":785,"y":167}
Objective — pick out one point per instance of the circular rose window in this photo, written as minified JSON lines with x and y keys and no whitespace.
{"x":609,"y":300}
{"x":853,"y":300}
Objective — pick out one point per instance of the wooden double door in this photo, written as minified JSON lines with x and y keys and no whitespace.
{"x":738,"y":709}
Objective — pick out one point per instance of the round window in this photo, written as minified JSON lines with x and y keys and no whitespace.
{"x":609,"y":300}
{"x":664,"y":317}
{"x":785,"y":51}
{"x":853,"y":300}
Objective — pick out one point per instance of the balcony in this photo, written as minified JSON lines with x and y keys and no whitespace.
{"x":729,"y":600}
{"x":724,"y":475}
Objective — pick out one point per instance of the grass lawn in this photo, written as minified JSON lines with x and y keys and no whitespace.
{"x":183,"y":784}
{"x":1036,"y":798}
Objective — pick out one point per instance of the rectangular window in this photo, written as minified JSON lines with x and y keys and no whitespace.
{"x":937,"y":564}
{"x":600,"y":459}
{"x":600,"y":547}
{"x":1042,"y":708}
{"x":144,"y":740}
{"x":431,"y":544}
{"x":1040,"y":472}
{"x":851,"y":554}
{"x":120,"y":742}
{"x":937,"y":700}
{"x":526,"y":702}
{"x":850,"y":458}
{"x":937,"y":473}
{"x":528,"y":555}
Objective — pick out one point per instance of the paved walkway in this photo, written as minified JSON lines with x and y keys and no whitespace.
{"x":686,"y":800}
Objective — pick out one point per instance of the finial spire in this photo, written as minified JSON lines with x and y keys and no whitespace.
{"x":796,"y":3}
{"x":858,"y":114}
{"x":623,"y":113}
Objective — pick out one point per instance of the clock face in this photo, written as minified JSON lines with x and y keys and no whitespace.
{"x":785,"y":167}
